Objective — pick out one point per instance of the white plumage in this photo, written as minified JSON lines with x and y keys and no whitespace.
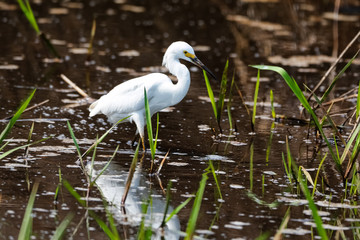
{"x":127,"y":99}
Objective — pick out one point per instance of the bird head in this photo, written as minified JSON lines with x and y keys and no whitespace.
{"x":182,"y":50}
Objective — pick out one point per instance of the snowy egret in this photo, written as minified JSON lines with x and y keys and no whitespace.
{"x":127,"y":99}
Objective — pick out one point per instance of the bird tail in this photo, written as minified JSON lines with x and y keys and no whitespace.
{"x":93,"y":110}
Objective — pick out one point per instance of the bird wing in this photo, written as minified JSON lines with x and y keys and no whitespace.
{"x":128,"y":97}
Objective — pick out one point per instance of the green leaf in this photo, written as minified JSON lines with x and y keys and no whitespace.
{"x":106,"y":166}
{"x":255,"y":97}
{"x":26,"y":8}
{"x":178,"y":208}
{"x":211,"y":94}
{"x":73,"y":192}
{"x":16,"y":116}
{"x":230,"y":101}
{"x":26,"y":226}
{"x":319,"y":224}
{"x":220,"y":103}
{"x":21,"y":147}
{"x":190,"y":229}
{"x":60,"y":230}
{"x":215,"y":178}
{"x":273,"y":115}
{"x":149,"y":125}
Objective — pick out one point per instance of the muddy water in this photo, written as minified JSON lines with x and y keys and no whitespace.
{"x":130,"y":40}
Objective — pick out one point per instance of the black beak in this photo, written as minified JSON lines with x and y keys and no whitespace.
{"x":198,"y":63}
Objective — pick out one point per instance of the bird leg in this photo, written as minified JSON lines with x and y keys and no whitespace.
{"x":143,"y":143}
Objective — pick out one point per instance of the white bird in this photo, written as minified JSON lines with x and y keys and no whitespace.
{"x":127,"y":99}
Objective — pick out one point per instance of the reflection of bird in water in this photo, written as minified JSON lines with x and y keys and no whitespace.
{"x":127,"y":99}
{"x":111,"y":184}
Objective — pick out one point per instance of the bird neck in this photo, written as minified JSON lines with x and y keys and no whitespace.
{"x":182,"y":86}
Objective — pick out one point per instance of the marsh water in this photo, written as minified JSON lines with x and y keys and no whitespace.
{"x":303,"y":37}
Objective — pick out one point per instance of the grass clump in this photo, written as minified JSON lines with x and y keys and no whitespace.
{"x":218,"y":106}
{"x":29,"y":14}
{"x":152,"y":140}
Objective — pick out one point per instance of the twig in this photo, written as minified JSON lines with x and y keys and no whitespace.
{"x":162,"y":162}
{"x":339,"y":99}
{"x":333,"y":65}
{"x":73,"y":85}
{"x":28,"y":109}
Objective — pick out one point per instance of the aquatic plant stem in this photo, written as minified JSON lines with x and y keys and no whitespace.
{"x":190,"y":229}
{"x":26,"y":226}
{"x":255,"y":97}
{"x":246,"y":107}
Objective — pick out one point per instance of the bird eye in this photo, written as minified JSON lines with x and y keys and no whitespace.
{"x":185,"y":52}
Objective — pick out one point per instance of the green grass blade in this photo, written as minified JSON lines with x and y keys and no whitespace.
{"x":92,"y":163}
{"x":74,"y":138}
{"x":253,"y":197}
{"x":251,"y":170}
{"x":102,"y":137}
{"x":3,"y":155}
{"x":286,"y":168}
{"x":273,"y":115}
{"x":26,"y":226}
{"x":230,"y":101}
{"x":358,"y":102}
{"x":103,"y":226}
{"x":168,"y":198}
{"x":255,"y":97}
{"x":215,"y":178}
{"x":263,"y":236}
{"x":77,"y":145}
{"x":355,"y":150}
{"x":354,"y":136}
{"x":16,"y":116}
{"x":73,"y":192}
{"x":317,"y":175}
{"x":92,"y":36}
{"x":29,"y":138}
{"x":4,"y":145}
{"x":145,"y":232}
{"x":112,"y":225}
{"x":190,"y":229}
{"x":60,"y":230}
{"x":304,"y":188}
{"x":58,"y":188}
{"x":211,"y":94}
{"x":157,"y":130}
{"x":177,"y":209}
{"x":220,"y":103}
{"x":268,"y":147}
{"x":283,"y":224}
{"x":149,"y":125}
{"x":289,"y":158}
{"x":106,"y":165}
{"x":317,"y":219}
{"x":26,"y":8}
{"x":101,"y":223}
